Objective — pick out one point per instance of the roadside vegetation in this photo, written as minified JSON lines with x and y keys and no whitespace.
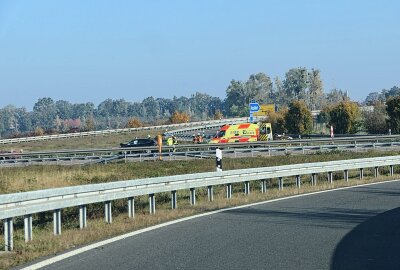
{"x":41,"y":177}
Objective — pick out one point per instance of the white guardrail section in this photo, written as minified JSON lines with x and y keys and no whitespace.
{"x":27,"y":203}
{"x":211,"y":123}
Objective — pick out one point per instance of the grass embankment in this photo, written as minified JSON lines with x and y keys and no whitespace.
{"x":39,"y":177}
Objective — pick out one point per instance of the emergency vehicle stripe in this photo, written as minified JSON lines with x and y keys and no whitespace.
{"x":243,"y":126}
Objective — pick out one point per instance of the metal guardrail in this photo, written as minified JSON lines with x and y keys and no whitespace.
{"x":27,"y":203}
{"x":121,"y":130}
{"x":199,"y":150}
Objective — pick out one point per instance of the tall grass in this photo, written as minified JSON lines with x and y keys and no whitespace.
{"x":42,"y":177}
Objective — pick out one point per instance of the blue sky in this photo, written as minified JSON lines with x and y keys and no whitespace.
{"x":84,"y":51}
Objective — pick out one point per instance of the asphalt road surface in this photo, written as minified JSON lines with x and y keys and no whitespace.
{"x":356,"y":228}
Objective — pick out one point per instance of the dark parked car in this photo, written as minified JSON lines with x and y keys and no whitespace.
{"x":140,"y":143}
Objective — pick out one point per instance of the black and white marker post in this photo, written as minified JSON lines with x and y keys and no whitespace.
{"x":218,"y":159}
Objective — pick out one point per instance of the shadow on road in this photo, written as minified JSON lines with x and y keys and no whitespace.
{"x":374,"y":244}
{"x":326,"y":217}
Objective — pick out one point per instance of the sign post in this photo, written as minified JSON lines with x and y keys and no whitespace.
{"x":218,"y":159}
{"x":254,"y":107}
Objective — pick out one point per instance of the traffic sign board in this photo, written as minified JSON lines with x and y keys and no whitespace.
{"x":254,"y":107}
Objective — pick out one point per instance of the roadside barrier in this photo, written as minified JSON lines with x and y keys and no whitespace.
{"x":27,"y":203}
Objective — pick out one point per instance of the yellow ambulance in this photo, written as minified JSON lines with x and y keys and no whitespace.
{"x":245,"y":132}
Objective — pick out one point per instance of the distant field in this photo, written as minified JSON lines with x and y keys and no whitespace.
{"x":76,"y":143}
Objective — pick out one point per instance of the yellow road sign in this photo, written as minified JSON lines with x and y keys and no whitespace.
{"x":265,"y":109}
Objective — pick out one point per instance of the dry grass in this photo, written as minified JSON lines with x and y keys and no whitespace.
{"x":100,"y":141}
{"x":39,"y":177}
{"x":42,"y":177}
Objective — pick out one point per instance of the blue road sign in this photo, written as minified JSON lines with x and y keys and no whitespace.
{"x":254,"y":107}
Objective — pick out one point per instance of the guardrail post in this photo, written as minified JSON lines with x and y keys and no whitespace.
{"x":298,"y":181}
{"x":210,"y":193}
{"x":192,"y":196}
{"x":8,"y":234}
{"x":152,"y":204}
{"x":391,"y":170}
{"x":361,"y":173}
{"x":247,"y":187}
{"x":174,"y":201}
{"x":229,"y":191}
{"x":346,"y":175}
{"x":330,"y":177}
{"x":313,"y":179}
{"x":28,"y":228}
{"x":263,"y":185}
{"x":131,"y":207}
{"x":108,"y":212}
{"x":280,"y":183}
{"x":82,"y":216}
{"x":57,"y":222}
{"x":376,"y":172}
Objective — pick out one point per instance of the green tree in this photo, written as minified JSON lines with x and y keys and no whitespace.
{"x":44,"y":113}
{"x":295,"y":83}
{"x":280,"y":94}
{"x":236,"y":102}
{"x":393,"y":111}
{"x":298,"y":118}
{"x":82,"y":110}
{"x":373,"y":98}
{"x":90,"y":123}
{"x":24,"y":120}
{"x":200,"y":105}
{"x":64,"y":109}
{"x":259,"y":87}
{"x":150,"y":108}
{"x":344,"y":117}
{"x":393,"y":92}
{"x":336,"y":95}
{"x":315,"y":95}
{"x":165,"y":107}
{"x":277,"y":120}
{"x":375,"y":121}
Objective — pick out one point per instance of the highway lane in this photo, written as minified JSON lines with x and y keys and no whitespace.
{"x":355,"y":228}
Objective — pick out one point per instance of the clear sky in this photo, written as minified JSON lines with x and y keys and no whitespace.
{"x":84,"y":51}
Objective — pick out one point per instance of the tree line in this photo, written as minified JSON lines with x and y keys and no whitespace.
{"x":299,"y":84}
{"x":345,"y":117}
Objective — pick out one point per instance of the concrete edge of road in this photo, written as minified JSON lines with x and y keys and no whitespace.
{"x":77,"y":251}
